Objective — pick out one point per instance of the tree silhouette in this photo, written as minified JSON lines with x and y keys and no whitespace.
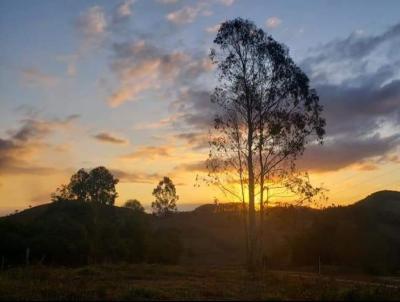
{"x":79,"y":185}
{"x":266,"y":115}
{"x":135,"y":205}
{"x":165,"y":195}
{"x":101,"y":186}
{"x":96,"y":186}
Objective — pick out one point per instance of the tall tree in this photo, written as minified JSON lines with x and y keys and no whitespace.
{"x":267,"y":114}
{"x":166,"y":198}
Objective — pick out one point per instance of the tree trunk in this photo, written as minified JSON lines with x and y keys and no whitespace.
{"x":261,"y":223}
{"x":252,"y":222}
{"x":252,"y":212}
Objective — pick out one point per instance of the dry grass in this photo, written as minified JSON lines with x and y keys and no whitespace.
{"x":155,"y":282}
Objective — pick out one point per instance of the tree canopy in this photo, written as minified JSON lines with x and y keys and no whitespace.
{"x":97,"y":185}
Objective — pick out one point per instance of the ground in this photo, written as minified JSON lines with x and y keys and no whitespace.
{"x":156,"y":282}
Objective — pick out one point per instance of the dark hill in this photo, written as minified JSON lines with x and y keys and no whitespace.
{"x":382,"y":201}
{"x":363,"y":236}
{"x":76,"y":233}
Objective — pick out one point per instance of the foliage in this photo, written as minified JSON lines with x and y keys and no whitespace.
{"x":134,"y":205}
{"x":166,"y":198}
{"x":98,"y":185}
{"x":267,"y":114}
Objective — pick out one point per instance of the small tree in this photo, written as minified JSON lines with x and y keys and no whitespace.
{"x":96,"y":186}
{"x":134,"y":205}
{"x":166,"y":198}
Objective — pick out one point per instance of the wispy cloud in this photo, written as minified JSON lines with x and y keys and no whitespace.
{"x":110,"y":138}
{"x":213,"y":29}
{"x":167,"y":1}
{"x":92,"y":28}
{"x":141,"y":67}
{"x":123,"y":11}
{"x":189,"y":14}
{"x":37,"y":78}
{"x":92,"y":23}
{"x":196,"y":166}
{"x":136,"y":177}
{"x":125,"y":8}
{"x":226,"y":2}
{"x":168,"y":121}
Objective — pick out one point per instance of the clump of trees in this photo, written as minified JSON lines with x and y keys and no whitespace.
{"x":76,"y":230}
{"x":267,"y":114}
{"x":165,"y":198}
{"x":97,"y":185}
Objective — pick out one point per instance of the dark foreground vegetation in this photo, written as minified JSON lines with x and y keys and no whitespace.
{"x":75,"y":233}
{"x":362,"y":238}
{"x":154,"y":282}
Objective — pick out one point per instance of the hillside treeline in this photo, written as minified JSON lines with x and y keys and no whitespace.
{"x":364,"y":237}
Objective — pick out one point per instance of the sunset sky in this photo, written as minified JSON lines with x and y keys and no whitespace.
{"x":126,"y":84}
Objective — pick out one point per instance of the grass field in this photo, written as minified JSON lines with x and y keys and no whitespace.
{"x":155,"y":282}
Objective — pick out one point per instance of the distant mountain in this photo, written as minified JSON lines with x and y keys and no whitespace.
{"x":362,"y":236}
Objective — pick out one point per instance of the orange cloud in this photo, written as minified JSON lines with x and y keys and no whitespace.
{"x":149,"y":152}
{"x":140,"y":68}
